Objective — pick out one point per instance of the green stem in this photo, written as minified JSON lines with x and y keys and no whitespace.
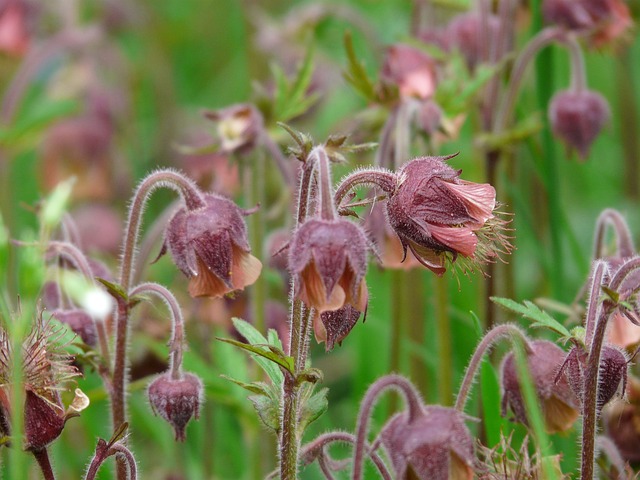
{"x":629,"y":120}
{"x":445,"y":368}
{"x":398,"y":316}
{"x":416,"y":305}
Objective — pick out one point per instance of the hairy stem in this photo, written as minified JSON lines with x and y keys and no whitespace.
{"x":379,"y":177}
{"x":499,"y":332}
{"x":414,"y":410}
{"x":42,"y":457}
{"x":624,"y":240}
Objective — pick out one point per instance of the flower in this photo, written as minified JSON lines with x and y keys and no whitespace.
{"x":14,"y":29}
{"x":411,"y":70}
{"x":603,"y":20}
{"x":466,"y":33}
{"x":239,"y":127}
{"x":328,"y":259}
{"x":209,"y":245}
{"x":440,"y":217}
{"x":559,"y":403}
{"x":577,"y":117}
{"x":176,"y":400}
{"x":436,"y":445}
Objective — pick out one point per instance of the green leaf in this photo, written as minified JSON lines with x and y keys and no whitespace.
{"x":259,"y":388}
{"x":356,"y":74}
{"x":284,"y":362}
{"x":493,"y":421}
{"x":531,"y":311}
{"x":312,"y":408}
{"x":115,"y":290}
{"x":268,"y":410}
{"x":290,"y":98}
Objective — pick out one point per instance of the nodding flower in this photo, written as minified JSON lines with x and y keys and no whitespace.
{"x":209,"y":245}
{"x":328,"y":259}
{"x":440,"y":217}
{"x":411,"y":70}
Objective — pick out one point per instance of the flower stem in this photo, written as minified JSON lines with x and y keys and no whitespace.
{"x":327,"y":207}
{"x":379,"y":177}
{"x":624,"y":241}
{"x":42,"y":457}
{"x":398,"y":314}
{"x":414,"y":409}
{"x":445,"y":368}
{"x":177,"y":322}
{"x":506,"y":330}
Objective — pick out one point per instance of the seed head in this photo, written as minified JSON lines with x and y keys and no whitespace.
{"x":439,"y":217}
{"x":578,"y":117}
{"x":209,"y":245}
{"x":328,"y":259}
{"x":176,"y":400}
{"x":437,"y":445}
{"x":559,"y":404}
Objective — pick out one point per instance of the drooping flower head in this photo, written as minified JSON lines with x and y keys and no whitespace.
{"x":328,"y":259}
{"x":467,"y":33}
{"x":412,"y":71}
{"x":577,"y":117}
{"x":440,"y":217}
{"x":436,"y":445}
{"x":560,"y":405}
{"x":209,"y":245}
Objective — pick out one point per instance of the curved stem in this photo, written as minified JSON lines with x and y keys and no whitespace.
{"x":610,"y":449}
{"x":177,"y":322}
{"x":376,"y":176}
{"x":578,"y":69}
{"x":74,"y":255}
{"x":308,"y":451}
{"x":414,"y":410}
{"x":120,"y":449}
{"x":506,"y":330}
{"x":104,"y":451}
{"x":544,"y":38}
{"x":599,"y":271}
{"x":623,"y":272}
{"x":613,"y":218}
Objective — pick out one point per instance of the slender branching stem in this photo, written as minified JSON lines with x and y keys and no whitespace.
{"x":104,"y":451}
{"x":42,"y":457}
{"x":414,"y":410}
{"x":376,"y":176}
{"x":578,"y":69}
{"x":327,"y":208}
{"x":177,"y":323}
{"x":74,"y":255}
{"x":506,"y":330}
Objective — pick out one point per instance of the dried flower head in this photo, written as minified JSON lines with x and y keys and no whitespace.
{"x":411,"y":70}
{"x":47,"y":371}
{"x":176,"y":400}
{"x":559,"y":404}
{"x":437,"y":445}
{"x":577,"y":117}
{"x":440,"y":217}
{"x":209,"y":245}
{"x":328,"y":259}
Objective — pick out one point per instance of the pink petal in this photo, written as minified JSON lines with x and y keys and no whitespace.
{"x":459,"y":239}
{"x":479,"y":198}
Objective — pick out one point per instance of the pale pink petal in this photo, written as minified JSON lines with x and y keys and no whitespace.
{"x":622,"y":332}
{"x":479,"y":198}
{"x":246,"y":269}
{"x":459,"y":239}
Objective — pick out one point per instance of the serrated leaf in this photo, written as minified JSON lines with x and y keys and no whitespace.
{"x":531,"y":311}
{"x":259,"y":388}
{"x":312,"y":408}
{"x":268,"y":410}
{"x":290,"y":97}
{"x":115,"y":290}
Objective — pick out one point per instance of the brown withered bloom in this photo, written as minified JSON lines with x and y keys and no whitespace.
{"x":47,"y":371}
{"x":577,"y":117}
{"x":440,"y":217}
{"x":328,"y":259}
{"x":209,"y":245}
{"x":436,"y":445}
{"x":560,"y":406}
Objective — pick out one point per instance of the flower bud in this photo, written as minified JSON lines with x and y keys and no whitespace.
{"x":558,"y":402}
{"x":438,"y":216}
{"x":328,"y":259}
{"x":411,"y":70}
{"x":209,"y":245}
{"x":437,"y":445}
{"x":578,"y":117}
{"x":80,"y":322}
{"x":176,"y":400}
{"x":466,"y":33}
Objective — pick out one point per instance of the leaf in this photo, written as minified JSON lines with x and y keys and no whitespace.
{"x":531,"y":311}
{"x":268,"y":410}
{"x":115,"y":290}
{"x":284,"y":362}
{"x":312,"y":409}
{"x":259,"y":388}
{"x":355,"y":73}
{"x":291,"y":98}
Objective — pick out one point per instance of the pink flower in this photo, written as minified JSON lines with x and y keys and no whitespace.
{"x":439,"y":217}
{"x":411,"y":70}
